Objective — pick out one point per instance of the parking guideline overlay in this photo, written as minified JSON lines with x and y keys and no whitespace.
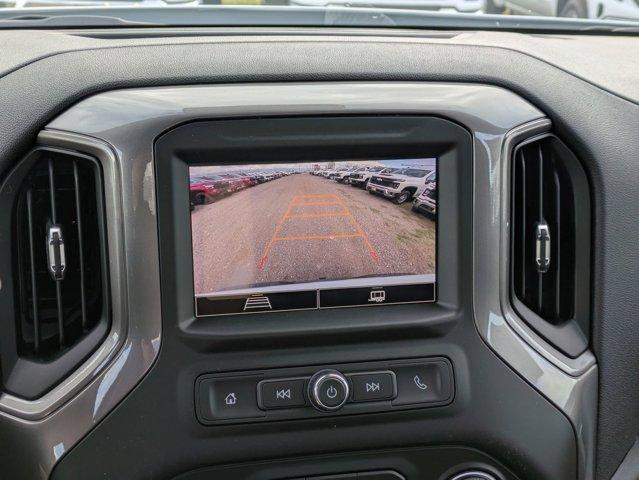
{"x":315,"y":200}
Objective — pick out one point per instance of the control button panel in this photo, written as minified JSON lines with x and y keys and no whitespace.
{"x":309,"y":392}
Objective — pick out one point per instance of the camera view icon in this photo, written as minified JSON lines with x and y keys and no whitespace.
{"x":255,"y":302}
{"x":377,"y":296}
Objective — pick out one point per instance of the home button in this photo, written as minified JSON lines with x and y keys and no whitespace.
{"x":228,"y":398}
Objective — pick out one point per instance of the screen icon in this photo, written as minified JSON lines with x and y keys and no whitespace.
{"x":377,"y":296}
{"x":257,"y":301}
{"x":283,"y":394}
{"x":372,"y":387}
{"x":418,"y":381}
{"x":331,"y":392}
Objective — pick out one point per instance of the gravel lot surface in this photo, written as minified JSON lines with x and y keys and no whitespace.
{"x":304,"y":228}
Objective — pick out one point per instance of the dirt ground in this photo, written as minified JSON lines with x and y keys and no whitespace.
{"x":305,"y":228}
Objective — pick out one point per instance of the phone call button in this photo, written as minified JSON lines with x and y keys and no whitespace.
{"x":429,"y":382}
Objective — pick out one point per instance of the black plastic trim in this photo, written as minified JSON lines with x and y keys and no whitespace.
{"x":439,"y":463}
{"x":307,"y":139}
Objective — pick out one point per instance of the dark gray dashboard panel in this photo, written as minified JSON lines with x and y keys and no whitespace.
{"x":482,"y":415}
{"x":131,"y":119}
{"x":600,"y":127}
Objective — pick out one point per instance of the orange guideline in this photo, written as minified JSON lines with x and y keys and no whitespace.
{"x":316,"y":199}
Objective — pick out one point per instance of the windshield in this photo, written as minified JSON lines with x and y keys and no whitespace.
{"x":482,"y":14}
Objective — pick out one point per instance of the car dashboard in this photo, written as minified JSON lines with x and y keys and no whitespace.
{"x":288,"y":253}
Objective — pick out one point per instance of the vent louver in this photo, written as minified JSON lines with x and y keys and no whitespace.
{"x":58,"y":205}
{"x":59,"y":263}
{"x":551,"y":243}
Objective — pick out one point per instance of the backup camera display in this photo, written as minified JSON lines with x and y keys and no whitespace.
{"x":277,"y":237}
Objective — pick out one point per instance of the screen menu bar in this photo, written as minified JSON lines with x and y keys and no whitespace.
{"x":314,"y":299}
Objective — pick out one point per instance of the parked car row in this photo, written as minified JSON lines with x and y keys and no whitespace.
{"x":599,"y":9}
{"x":209,"y":187}
{"x":397,"y":184}
{"x":351,"y":174}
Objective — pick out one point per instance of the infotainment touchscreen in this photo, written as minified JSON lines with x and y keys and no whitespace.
{"x":280,"y":237}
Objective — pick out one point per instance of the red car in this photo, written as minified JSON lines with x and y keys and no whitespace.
{"x":242,"y":181}
{"x":207,"y":188}
{"x":202,"y":193}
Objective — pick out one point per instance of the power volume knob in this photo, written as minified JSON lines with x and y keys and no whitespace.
{"x":473,"y":475}
{"x":328,"y":390}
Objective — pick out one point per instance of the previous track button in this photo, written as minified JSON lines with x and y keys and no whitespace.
{"x":285,"y":393}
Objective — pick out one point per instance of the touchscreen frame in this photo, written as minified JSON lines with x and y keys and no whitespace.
{"x":274,"y":139}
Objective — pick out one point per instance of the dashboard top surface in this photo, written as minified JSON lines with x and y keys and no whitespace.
{"x":600,"y":60}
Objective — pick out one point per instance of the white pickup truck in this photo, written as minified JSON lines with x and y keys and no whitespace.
{"x":361,"y":178}
{"x":403,"y":184}
{"x":341,"y":174}
{"x":426,"y":202}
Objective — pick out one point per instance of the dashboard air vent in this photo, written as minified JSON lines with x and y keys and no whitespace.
{"x":58,"y":239}
{"x":551,"y":243}
{"x":59,"y":264}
